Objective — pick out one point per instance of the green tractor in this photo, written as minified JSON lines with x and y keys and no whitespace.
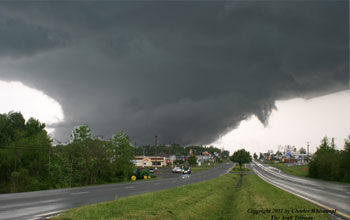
{"x":141,"y":173}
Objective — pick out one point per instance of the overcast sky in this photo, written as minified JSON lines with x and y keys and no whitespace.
{"x":295,"y":122}
{"x":188,"y":72}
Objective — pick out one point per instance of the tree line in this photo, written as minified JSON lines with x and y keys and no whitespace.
{"x":29,"y":161}
{"x":178,"y":150}
{"x":328,"y":163}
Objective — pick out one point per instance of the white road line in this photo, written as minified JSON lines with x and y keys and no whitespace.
{"x":78,"y":193}
{"x":47,"y":214}
{"x":129,"y":187}
{"x":30,"y":203}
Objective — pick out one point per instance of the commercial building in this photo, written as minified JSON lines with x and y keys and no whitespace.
{"x":150,"y":161}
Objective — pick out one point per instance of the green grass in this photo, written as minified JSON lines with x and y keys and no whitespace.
{"x":214,"y":199}
{"x":301,"y":171}
{"x":237,"y":169}
{"x":259,"y":195}
{"x":203,"y":167}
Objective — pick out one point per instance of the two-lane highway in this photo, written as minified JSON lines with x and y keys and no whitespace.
{"x":325,"y":194}
{"x":36,"y":205}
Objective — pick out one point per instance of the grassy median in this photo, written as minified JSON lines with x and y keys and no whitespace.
{"x":214,"y":199}
{"x":237,"y":169}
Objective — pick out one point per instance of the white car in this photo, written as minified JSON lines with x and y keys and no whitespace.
{"x":177,"y":170}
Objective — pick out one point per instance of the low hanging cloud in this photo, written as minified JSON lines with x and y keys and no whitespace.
{"x":20,"y":39}
{"x":187,"y":72}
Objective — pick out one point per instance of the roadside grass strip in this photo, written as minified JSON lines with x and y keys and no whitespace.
{"x":214,"y":199}
{"x":203,"y":167}
{"x":301,"y":171}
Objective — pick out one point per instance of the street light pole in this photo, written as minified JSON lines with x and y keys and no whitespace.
{"x":155,"y":143}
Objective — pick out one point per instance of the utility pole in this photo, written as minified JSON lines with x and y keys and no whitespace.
{"x":135,"y":149}
{"x":155,"y":143}
{"x":71,"y":171}
{"x":307,"y":152}
{"x":49,"y":162}
{"x":15,"y":158}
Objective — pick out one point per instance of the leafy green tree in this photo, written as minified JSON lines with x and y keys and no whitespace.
{"x":225,"y":154}
{"x":60,"y":167}
{"x":24,"y":153}
{"x":192,"y":160}
{"x":325,"y":163}
{"x":255,"y":156}
{"x":123,"y":155}
{"x":302,"y":150}
{"x":75,"y":154}
{"x":97,"y":160}
{"x":11,"y":130}
{"x":345,"y":161}
{"x":81,"y":133}
{"x":241,"y":156}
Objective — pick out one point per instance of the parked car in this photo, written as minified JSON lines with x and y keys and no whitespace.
{"x":177,"y":170}
{"x":187,"y":170}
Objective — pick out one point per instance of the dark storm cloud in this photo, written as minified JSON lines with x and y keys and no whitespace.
{"x":20,"y":39}
{"x":185,"y":71}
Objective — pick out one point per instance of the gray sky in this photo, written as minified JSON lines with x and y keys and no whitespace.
{"x":296,"y":122}
{"x":185,"y":71}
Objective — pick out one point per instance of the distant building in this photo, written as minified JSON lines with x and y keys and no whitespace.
{"x":182,"y":157}
{"x":205,"y":157}
{"x":150,"y":161}
{"x":302,"y":158}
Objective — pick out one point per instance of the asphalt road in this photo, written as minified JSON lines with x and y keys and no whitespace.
{"x":40,"y":204}
{"x":325,"y":194}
